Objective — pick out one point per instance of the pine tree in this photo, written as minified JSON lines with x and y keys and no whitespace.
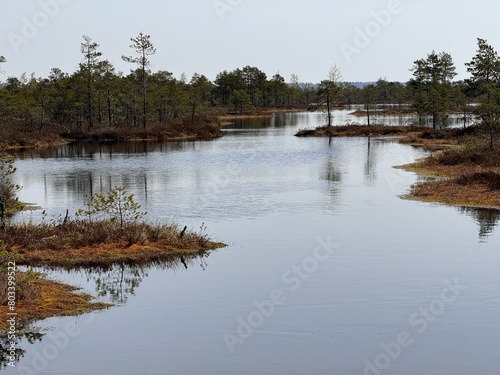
{"x":144,"y":48}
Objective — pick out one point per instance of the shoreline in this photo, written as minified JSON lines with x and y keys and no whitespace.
{"x":106,"y":255}
{"x":49,"y":299}
{"x":75,"y":245}
{"x":155,"y":133}
{"x":224,"y":119}
{"x":466,"y":176}
{"x":362,"y":131}
{"x":457,"y":186}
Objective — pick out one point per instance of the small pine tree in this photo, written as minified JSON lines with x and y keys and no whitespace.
{"x":119,"y":206}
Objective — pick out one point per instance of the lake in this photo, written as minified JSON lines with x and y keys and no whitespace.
{"x":328,"y":270}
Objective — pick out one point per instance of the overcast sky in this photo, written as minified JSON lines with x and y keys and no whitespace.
{"x":366,"y":39}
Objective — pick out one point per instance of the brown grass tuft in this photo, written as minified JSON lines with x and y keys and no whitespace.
{"x":467,"y":156}
{"x":359,"y":131}
{"x":38,"y":298}
{"x":77,"y":243}
{"x":492,"y":179}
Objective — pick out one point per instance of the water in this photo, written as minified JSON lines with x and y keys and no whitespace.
{"x":326,"y":265}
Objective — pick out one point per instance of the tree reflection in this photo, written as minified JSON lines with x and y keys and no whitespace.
{"x":99,"y":149}
{"x":118,"y":283}
{"x":115,"y":284}
{"x":331,"y":171}
{"x":487,"y":219}
{"x":370,"y":163}
{"x":30,"y":335}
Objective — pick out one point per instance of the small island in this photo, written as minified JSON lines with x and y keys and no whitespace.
{"x":108,"y":231}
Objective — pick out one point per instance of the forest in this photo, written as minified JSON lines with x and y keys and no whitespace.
{"x":96,"y":99}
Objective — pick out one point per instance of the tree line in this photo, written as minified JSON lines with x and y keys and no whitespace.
{"x":96,"y":95}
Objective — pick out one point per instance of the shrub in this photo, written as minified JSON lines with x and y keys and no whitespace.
{"x":492,"y":179}
{"x":8,"y":190}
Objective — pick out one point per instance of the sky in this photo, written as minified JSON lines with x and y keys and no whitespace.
{"x":365,"y":39}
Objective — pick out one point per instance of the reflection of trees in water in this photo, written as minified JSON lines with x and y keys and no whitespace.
{"x":97,"y":149}
{"x":370,"y":162}
{"x":119,"y":282}
{"x":80,"y":184}
{"x":331,"y":170}
{"x":278,"y":120}
{"x":30,"y":335}
{"x":72,"y":188}
{"x":115,"y":284}
{"x":332,"y":173}
{"x":487,"y":219}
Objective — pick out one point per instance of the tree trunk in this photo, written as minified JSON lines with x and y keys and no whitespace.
{"x":328,"y":109}
{"x":108,"y":102}
{"x":99,"y":109}
{"x":89,"y":101}
{"x":2,"y":215}
{"x":193,"y":112}
{"x":144,"y":106}
{"x":492,"y":131}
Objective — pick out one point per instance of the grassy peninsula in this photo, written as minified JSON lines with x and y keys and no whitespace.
{"x":109,"y":231}
{"x":468,"y":175}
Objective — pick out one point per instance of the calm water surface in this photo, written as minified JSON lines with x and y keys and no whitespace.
{"x":362,"y":281}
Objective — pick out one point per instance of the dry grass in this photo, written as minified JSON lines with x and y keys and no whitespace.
{"x":385,"y":112}
{"x":463,"y":191}
{"x":78,"y":243}
{"x":245,"y":116}
{"x":16,"y":134}
{"x":259,"y":113}
{"x":468,"y":156}
{"x":411,"y":135}
{"x":491,"y":179}
{"x":360,"y":131}
{"x":160,"y":133}
{"x":470,"y":176}
{"x":38,"y":299}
